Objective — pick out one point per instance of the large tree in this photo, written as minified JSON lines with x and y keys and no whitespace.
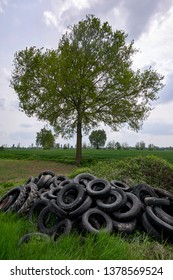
{"x":88,"y":79}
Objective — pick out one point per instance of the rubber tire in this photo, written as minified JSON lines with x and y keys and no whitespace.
{"x":163,"y":215}
{"x":84,"y":178}
{"x":28,"y":236}
{"x":34,"y":207}
{"x":106,"y":204}
{"x":95,"y":212}
{"x":159,"y":224}
{"x":42,"y":223}
{"x":75,"y":203}
{"x":13,"y":195}
{"x":63,"y":228}
{"x":150,"y":229}
{"x":82,"y":208}
{"x":142,"y":191}
{"x":134,"y":209}
{"x":155,"y":201}
{"x":32,"y":196}
{"x":120,"y":185}
{"x":98,"y":188}
{"x":124,"y":227}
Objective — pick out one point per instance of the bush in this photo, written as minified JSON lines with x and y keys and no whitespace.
{"x":151,"y":170}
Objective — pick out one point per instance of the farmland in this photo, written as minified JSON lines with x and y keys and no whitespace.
{"x":89,"y":155}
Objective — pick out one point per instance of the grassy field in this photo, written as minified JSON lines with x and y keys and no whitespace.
{"x":89,"y":155}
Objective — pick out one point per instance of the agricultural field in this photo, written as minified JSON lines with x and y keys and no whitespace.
{"x":16,"y":166}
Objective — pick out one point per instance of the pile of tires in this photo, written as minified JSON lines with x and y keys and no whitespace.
{"x":57,"y":205}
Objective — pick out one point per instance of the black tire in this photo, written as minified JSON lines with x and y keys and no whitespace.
{"x":163,"y":227}
{"x":63,"y":228}
{"x":142,"y":191}
{"x":124,"y":227}
{"x":31,"y":196}
{"x":44,"y":180}
{"x":84,"y":178}
{"x":58,"y":210}
{"x":98,"y":188}
{"x":130,"y":211}
{"x":19,"y":201}
{"x":149,"y":228}
{"x":48,"y":220}
{"x":59,"y":179}
{"x":35,"y":210}
{"x":9,"y":198}
{"x":155,"y":201}
{"x":28,"y":237}
{"x":121,"y":185}
{"x":71,"y":197}
{"x":82,"y":208}
{"x":103,"y":220}
{"x":163,"y":193}
{"x":161,"y":213}
{"x":111,"y":202}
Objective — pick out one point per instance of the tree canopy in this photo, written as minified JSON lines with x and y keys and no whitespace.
{"x":45,"y":138}
{"x":98,"y":138}
{"x":89,"y":79}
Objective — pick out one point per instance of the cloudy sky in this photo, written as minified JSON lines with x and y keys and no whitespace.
{"x":41,"y":23}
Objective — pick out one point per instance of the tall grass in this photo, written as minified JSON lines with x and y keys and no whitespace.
{"x":102,"y":246}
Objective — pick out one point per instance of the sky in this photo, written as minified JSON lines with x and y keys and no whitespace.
{"x":41,"y":23}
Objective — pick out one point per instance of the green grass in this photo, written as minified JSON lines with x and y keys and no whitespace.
{"x":74,"y":247}
{"x":89,"y":155}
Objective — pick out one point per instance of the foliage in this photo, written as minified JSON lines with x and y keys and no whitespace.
{"x":97,"y":138}
{"x":152,"y":170}
{"x":45,"y":138}
{"x":88,"y":79}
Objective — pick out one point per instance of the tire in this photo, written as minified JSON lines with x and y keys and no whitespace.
{"x":161,"y":213}
{"x":48,"y":220}
{"x":124,"y":227}
{"x":149,"y":228}
{"x":130,"y":211}
{"x":63,"y":228}
{"x":19,"y":201}
{"x":28,"y":237}
{"x":98,"y":188}
{"x":9,"y":198}
{"x":142,"y":191}
{"x":84,"y":178}
{"x":163,"y":193}
{"x":155,"y":201}
{"x":111,"y":202}
{"x":31,"y":196}
{"x":70,"y":197}
{"x":163,"y":227}
{"x":35,"y":210}
{"x":82,"y":208}
{"x":59,"y":211}
{"x":43,"y":181}
{"x":103,"y":220}
{"x":59,"y":179}
{"x":121,"y":185}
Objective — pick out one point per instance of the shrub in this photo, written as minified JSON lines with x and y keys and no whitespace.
{"x":151,"y":170}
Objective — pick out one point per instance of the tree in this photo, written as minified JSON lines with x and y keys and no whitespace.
{"x":88,"y":79}
{"x":45,"y":138}
{"x":140,"y":145}
{"x":98,"y":138}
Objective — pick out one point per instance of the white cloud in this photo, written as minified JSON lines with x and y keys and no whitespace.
{"x":50,"y":18}
{"x":3,"y":3}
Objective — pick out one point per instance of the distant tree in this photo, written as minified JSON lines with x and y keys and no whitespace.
{"x":117,"y":145}
{"x":111,"y":144}
{"x":88,"y":79}
{"x":140,"y":145}
{"x":151,"y":147}
{"x":45,"y":138}
{"x":97,"y":138}
{"x":125,"y":146}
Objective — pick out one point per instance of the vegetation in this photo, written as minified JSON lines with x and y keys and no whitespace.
{"x":89,"y":79}
{"x":150,"y":169}
{"x":45,"y":138}
{"x":98,"y":138}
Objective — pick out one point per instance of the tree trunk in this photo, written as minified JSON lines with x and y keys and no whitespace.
{"x":79,"y":143}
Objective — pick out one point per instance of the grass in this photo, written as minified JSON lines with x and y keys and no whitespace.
{"x":102,"y":246}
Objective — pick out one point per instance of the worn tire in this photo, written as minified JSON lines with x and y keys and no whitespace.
{"x":63,"y":228}
{"x":124,"y":227}
{"x":45,"y":217}
{"x":32,"y":194}
{"x":98,"y":188}
{"x":130,"y":211}
{"x":104,"y":221}
{"x":111,"y":202}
